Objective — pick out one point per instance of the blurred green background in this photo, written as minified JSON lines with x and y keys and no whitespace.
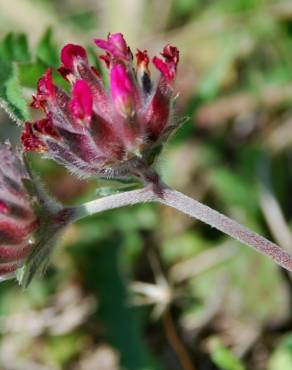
{"x":146,"y":288}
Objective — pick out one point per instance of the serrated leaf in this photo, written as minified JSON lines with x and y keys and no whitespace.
{"x":14,"y":94}
{"x":13,"y":48}
{"x":47,"y":50}
{"x":11,"y":99}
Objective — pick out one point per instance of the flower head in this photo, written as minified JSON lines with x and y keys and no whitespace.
{"x":98,"y":132}
{"x":29,"y":219}
{"x":17,"y":218}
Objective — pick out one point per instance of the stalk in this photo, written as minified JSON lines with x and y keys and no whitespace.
{"x":192,"y":208}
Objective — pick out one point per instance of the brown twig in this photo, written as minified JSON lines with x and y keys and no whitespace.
{"x":176,"y":342}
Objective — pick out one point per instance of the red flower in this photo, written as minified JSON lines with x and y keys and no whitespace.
{"x":123,"y":91}
{"x":30,"y":220}
{"x":17,"y":218}
{"x":81,"y":102}
{"x":99,"y":132}
{"x":167,"y":66}
{"x":115,"y":46}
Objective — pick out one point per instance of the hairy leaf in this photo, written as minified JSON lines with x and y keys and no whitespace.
{"x":11,"y":99}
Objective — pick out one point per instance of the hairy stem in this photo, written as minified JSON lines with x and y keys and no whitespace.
{"x":114,"y":201}
{"x":193,"y":208}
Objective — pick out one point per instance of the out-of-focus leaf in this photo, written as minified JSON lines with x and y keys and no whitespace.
{"x":281,"y":359}
{"x":183,"y":246}
{"x":61,"y":349}
{"x":47,"y":50}
{"x":14,"y":47}
{"x":238,"y":193}
{"x":29,"y":73}
{"x":234,"y":188}
{"x":223,"y":357}
{"x":213,"y":77}
{"x":186,"y":5}
{"x":84,"y":20}
{"x":181,"y":11}
{"x":99,"y":263}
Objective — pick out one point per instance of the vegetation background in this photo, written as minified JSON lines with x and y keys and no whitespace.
{"x":146,"y":288}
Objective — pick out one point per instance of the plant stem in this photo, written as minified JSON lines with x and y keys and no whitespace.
{"x":126,"y":198}
{"x":193,"y":208}
{"x":176,"y":342}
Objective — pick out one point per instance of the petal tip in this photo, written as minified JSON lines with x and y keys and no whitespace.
{"x":70,"y":53}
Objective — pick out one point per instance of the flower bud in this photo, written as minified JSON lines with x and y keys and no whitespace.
{"x":17,"y":218}
{"x":29,"y":219}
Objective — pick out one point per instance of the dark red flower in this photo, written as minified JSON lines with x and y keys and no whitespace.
{"x":115,"y":46}
{"x":100,"y":132}
{"x":17,"y":218}
{"x":167,"y":66}
{"x":30,"y":220}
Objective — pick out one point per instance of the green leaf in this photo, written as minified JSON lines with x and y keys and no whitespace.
{"x":30,"y":73}
{"x":14,"y":47}
{"x":223,"y":357}
{"x":214,"y":76}
{"x":47,"y":50}
{"x":11,"y":99}
{"x":84,"y":20}
{"x":184,"y":7}
{"x":99,"y":263}
{"x":281,"y":359}
{"x":20,"y":47}
{"x":234,"y":189}
{"x":62,"y":348}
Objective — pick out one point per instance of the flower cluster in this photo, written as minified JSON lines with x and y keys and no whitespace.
{"x":17,"y":217}
{"x":92,"y":131}
{"x":95,"y":132}
{"x":30,"y":220}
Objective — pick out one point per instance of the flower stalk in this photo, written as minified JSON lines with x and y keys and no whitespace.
{"x":192,"y":208}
